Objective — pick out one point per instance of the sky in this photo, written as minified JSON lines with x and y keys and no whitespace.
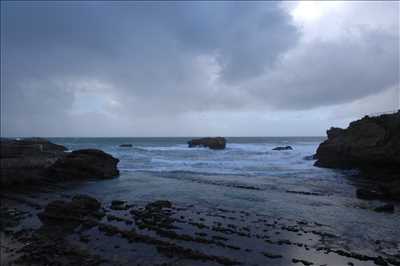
{"x":148,"y":69}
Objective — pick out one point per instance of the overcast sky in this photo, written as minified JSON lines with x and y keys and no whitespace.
{"x":195,"y":68}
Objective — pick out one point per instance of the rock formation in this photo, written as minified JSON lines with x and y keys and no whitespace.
{"x":77,"y":210}
{"x":217,"y":143}
{"x":283,"y":148}
{"x":27,"y":160}
{"x":82,"y":164}
{"x":127,"y":145}
{"x":36,"y":160}
{"x":372,"y":145}
{"x":368,"y":143}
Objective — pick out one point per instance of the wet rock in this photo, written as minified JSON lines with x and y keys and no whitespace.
{"x":282,"y":148}
{"x":368,"y":194}
{"x":217,"y":143}
{"x":80,"y":208}
{"x":154,"y":216}
{"x":117,"y":202}
{"x":310,"y":157}
{"x":371,"y":144}
{"x":272,"y":256}
{"x":13,"y":148}
{"x":119,"y":205}
{"x":304,"y":262}
{"x":385,"y":208}
{"x":176,"y":251}
{"x":49,"y":248}
{"x":39,"y":161}
{"x":10,"y":217}
{"x":391,"y":189}
{"x":25,"y":161}
{"x":159,"y":204}
{"x":126,"y":145}
{"x":82,"y":164}
{"x":380,"y":261}
{"x":304,"y":193}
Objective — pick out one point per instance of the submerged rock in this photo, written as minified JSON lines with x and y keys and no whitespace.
{"x":385,"y":208}
{"x":126,"y":145}
{"x":159,"y":204}
{"x":119,"y":205}
{"x":77,"y":210}
{"x":217,"y":143}
{"x":89,"y":163}
{"x":282,"y":148}
{"x":391,"y":189}
{"x":367,"y":194}
{"x":310,"y":157}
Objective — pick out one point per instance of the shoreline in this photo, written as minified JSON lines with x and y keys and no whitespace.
{"x":191,"y":233}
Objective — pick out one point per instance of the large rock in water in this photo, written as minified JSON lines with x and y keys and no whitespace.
{"x":282,"y":148}
{"x":368,"y":143}
{"x":371,"y":144}
{"x":217,"y":143}
{"x":81,"y":164}
{"x":36,"y":160}
{"x":13,"y":148}
{"x":27,"y":160}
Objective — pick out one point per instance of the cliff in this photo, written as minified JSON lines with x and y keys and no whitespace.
{"x":371,"y":142}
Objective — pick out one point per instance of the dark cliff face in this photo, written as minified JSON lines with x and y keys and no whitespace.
{"x":371,"y":143}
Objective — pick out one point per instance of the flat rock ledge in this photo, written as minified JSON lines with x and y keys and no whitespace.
{"x":32,"y":161}
{"x":217,"y":143}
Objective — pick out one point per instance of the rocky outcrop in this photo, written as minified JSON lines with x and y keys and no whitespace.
{"x":12,"y":148}
{"x":27,"y":160}
{"x":126,"y":145}
{"x":80,"y":208}
{"x":217,"y":143}
{"x":283,"y":148}
{"x":385,"y":208}
{"x":369,"y":194}
{"x":372,"y":145}
{"x":369,"y":143}
{"x":81,"y":164}
{"x":35,"y":160}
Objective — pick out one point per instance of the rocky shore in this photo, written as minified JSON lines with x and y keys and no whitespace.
{"x":372,"y":145}
{"x":35,"y":160}
{"x":81,"y":230}
{"x":63,"y":227}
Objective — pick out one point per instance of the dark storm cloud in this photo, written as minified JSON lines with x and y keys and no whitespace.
{"x":63,"y":60}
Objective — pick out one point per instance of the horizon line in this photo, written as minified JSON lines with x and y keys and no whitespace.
{"x":202,"y":136}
